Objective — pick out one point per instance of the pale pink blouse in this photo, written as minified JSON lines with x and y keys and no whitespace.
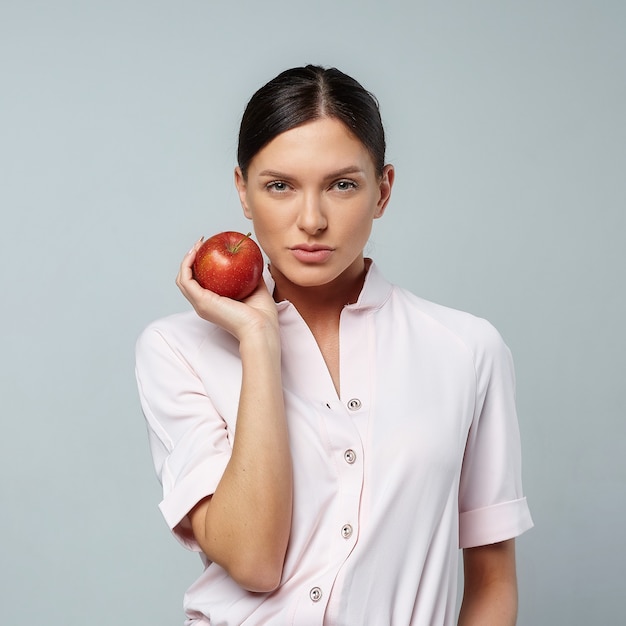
{"x":419,"y":456}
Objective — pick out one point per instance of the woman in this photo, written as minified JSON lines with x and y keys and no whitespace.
{"x":329,"y":443}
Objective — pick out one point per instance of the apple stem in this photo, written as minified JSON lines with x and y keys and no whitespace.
{"x":236,"y":246}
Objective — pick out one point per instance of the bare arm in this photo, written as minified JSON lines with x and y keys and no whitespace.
{"x":245,"y":525}
{"x":490,"y":595}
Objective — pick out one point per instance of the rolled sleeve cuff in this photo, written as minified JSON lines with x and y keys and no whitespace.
{"x":494,"y":523}
{"x":186,"y":493}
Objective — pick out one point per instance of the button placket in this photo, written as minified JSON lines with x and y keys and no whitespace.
{"x":341,"y":417}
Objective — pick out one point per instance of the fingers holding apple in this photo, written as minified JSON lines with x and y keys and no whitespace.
{"x":184,"y":279}
{"x":217,"y":274}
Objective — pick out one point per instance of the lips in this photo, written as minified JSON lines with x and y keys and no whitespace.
{"x":311,"y":253}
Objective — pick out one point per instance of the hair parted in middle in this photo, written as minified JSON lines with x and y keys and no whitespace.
{"x":304,"y":94}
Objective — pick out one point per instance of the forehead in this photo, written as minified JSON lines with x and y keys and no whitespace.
{"x":322,"y":144}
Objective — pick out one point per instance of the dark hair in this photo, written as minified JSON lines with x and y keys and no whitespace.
{"x":304,"y":94}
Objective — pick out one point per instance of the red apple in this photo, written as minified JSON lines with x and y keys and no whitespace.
{"x":230,"y":264}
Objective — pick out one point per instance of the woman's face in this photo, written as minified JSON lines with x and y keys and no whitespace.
{"x":312,"y":194}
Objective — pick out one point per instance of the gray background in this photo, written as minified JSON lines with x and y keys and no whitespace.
{"x":506,"y":123}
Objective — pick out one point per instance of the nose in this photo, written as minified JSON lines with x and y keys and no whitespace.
{"x":311,"y":215}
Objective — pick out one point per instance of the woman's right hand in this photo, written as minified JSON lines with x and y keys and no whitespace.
{"x":244,"y":526}
{"x":256,"y":312}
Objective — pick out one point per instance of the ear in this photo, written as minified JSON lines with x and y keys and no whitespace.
{"x":242,"y":190}
{"x":384,"y":186}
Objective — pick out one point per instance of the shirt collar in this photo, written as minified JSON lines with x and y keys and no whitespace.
{"x":376,"y":289}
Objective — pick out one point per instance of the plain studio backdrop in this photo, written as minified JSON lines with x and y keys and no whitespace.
{"x":506,"y":123}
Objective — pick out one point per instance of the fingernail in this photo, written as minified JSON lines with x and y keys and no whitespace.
{"x":195,"y":244}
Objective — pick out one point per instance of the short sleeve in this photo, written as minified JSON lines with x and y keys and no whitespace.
{"x":188,"y":439}
{"x":492,"y":506}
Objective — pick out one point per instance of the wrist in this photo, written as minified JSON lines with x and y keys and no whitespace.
{"x":260,"y":340}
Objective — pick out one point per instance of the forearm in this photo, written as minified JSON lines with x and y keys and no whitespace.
{"x":494,"y":605}
{"x":247,"y":523}
{"x":490,"y":593}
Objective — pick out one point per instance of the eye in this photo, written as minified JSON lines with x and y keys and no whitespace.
{"x":345,"y":185}
{"x":277,"y":186}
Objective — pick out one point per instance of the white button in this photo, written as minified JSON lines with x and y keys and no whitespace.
{"x":315,"y":594}
{"x":349,"y":456}
{"x":354,"y":404}
{"x":346,"y":531}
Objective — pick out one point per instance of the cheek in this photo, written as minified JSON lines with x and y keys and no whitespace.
{"x":267,"y":231}
{"x":363,"y":235}
{"x":271,"y":218}
{"x":358,"y":220}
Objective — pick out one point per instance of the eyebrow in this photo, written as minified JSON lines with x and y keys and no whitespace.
{"x":350,"y":169}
